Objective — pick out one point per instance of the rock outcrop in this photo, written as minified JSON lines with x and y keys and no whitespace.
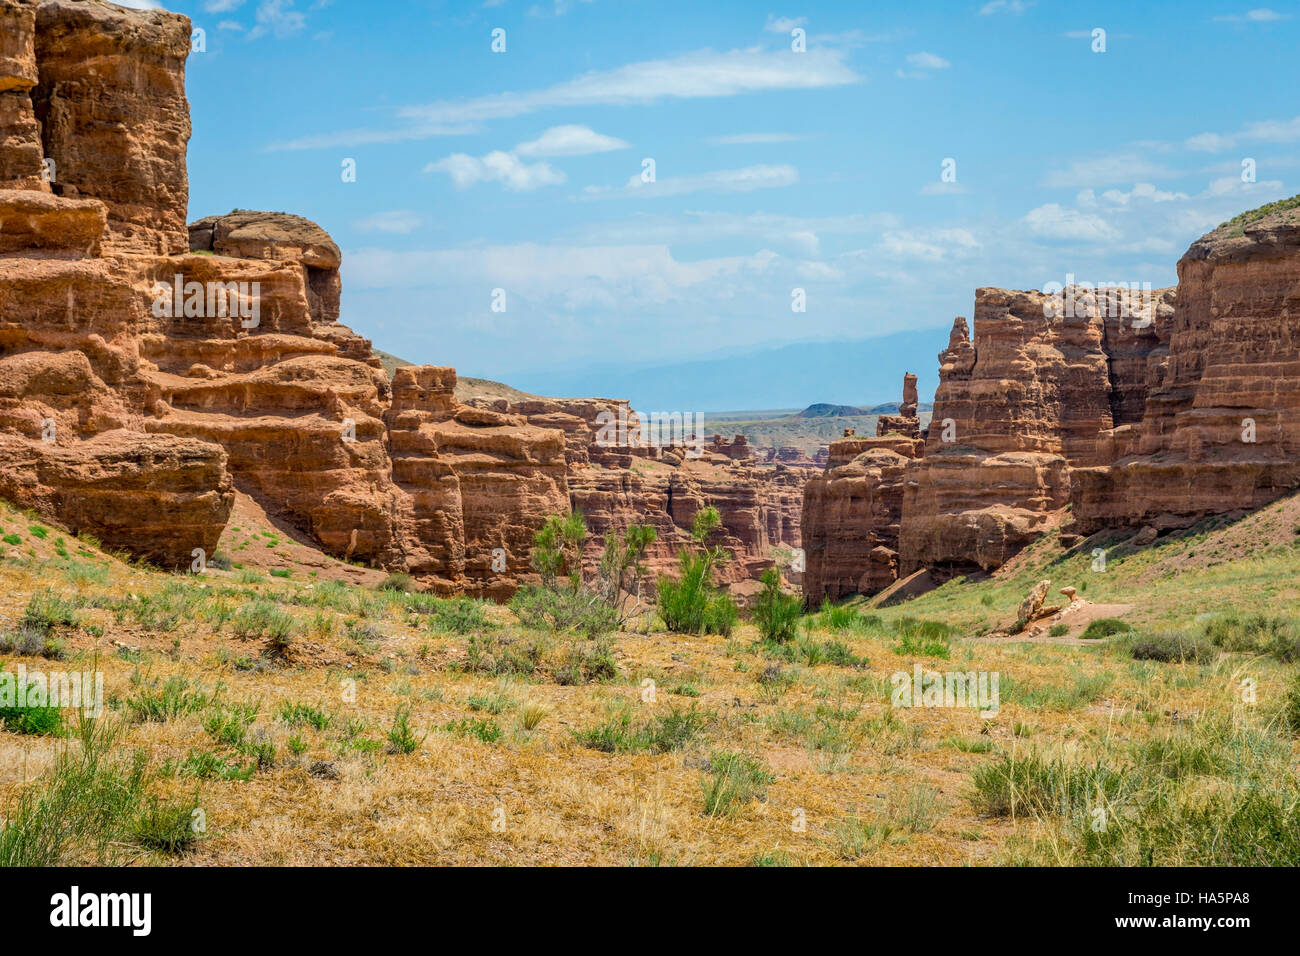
{"x":1220,"y":429}
{"x":149,"y":369}
{"x":852,"y":513}
{"x":1037,"y":392}
{"x":1034,"y":395}
{"x":616,"y":478}
{"x":1088,"y":410}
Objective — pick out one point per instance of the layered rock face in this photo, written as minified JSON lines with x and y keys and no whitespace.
{"x":74,"y":393}
{"x":1134,"y":409}
{"x":1039,"y":391}
{"x":852,"y":513}
{"x":1220,"y":430}
{"x":20,"y":135}
{"x":114,"y":120}
{"x":1036,"y":394}
{"x":616,"y":479}
{"x":141,"y":383}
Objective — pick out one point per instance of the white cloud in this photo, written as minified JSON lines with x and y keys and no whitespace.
{"x":221,"y":6}
{"x":928,"y":61}
{"x":747,"y":139}
{"x":1054,"y":221}
{"x":1259,"y":15}
{"x":934,"y":245}
{"x":777,"y":24}
{"x":277,"y":17}
{"x":1005,"y":6}
{"x":801,"y":233}
{"x":1264,"y":131}
{"x":743,"y":180}
{"x":1209,"y":142}
{"x":1140,"y":191}
{"x":569,"y":141}
{"x":1105,"y":171}
{"x":942,"y":189}
{"x":644,"y":271}
{"x":496,"y":166}
{"x":702,"y":74}
{"x":398,"y":221}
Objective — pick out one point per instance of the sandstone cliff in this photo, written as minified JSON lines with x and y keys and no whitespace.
{"x":148,"y":369}
{"x":620,"y":482}
{"x":1038,"y":391}
{"x":1220,"y":429}
{"x":852,"y":513}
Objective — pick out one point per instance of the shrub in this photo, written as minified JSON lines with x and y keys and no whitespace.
{"x":401,"y":738}
{"x":47,"y":610}
{"x":1031,"y":784}
{"x":659,"y":734}
{"x":776,"y":613}
{"x":690,"y":604}
{"x":557,"y":549}
{"x":1170,"y":646}
{"x":398,"y":581}
{"x":580,"y":611}
{"x":736,"y":780}
{"x":37,"y":721}
{"x":621,"y":560}
{"x":30,"y":642}
{"x":297,"y":714}
{"x":266,"y":619}
{"x":159,"y":702}
{"x":502,"y":655}
{"x":91,"y":807}
{"x":1104,"y":627}
{"x":459,"y":616}
{"x":485,"y":729}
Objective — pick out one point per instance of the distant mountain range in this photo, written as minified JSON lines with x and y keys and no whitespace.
{"x":823,"y":410}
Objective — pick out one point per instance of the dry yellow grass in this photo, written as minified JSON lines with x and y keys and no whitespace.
{"x":841,"y":760}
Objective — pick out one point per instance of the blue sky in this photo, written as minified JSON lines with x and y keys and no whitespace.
{"x":774,"y":170}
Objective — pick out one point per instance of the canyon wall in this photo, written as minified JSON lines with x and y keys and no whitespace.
{"x":1037,"y":392}
{"x":150,"y":369}
{"x":618,"y":478}
{"x":1085,"y":411}
{"x":1220,"y":430}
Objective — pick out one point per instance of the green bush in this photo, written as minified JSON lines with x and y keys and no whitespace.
{"x":47,"y":610}
{"x":657,"y":735}
{"x":1174,"y":646}
{"x":578,"y":610}
{"x":776,"y":613}
{"x":1104,"y":627}
{"x":93,"y":807}
{"x":736,"y":779}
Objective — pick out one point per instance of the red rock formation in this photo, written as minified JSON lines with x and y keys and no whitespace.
{"x":852,"y":513}
{"x":114,"y":119}
{"x":1039,"y":391}
{"x":1221,"y":425}
{"x":1034,"y":395}
{"x":141,"y":383}
{"x":619,"y":482}
{"x":20,"y":134}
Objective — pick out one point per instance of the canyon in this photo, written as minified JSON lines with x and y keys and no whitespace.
{"x":136,"y":412}
{"x":1109,"y":417}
